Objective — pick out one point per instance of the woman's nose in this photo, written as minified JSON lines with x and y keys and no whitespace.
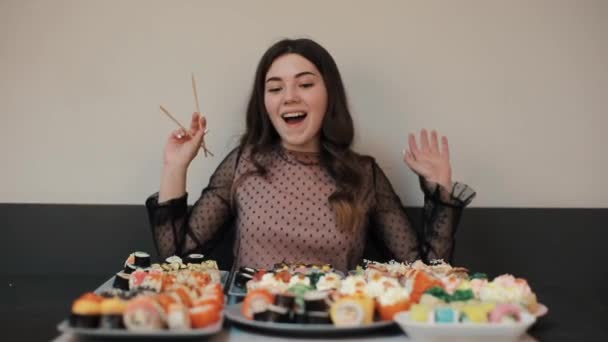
{"x":291,"y":95}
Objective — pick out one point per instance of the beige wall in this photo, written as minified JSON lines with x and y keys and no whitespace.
{"x":520,"y":88}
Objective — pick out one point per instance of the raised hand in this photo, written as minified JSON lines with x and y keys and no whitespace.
{"x":182,"y":146}
{"x":430,"y":161}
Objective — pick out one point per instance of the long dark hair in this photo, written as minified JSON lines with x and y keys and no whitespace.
{"x":337,"y":131}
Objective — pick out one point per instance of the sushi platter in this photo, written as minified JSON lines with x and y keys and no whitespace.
{"x":180,"y":298}
{"x":184,"y":298}
{"x":317,"y":299}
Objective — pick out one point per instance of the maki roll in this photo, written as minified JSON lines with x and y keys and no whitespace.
{"x":129,"y":268}
{"x":111,"y":313}
{"x":194,"y":258}
{"x":316,"y":301}
{"x":121,"y":281}
{"x":273,"y":313}
{"x":241,"y":279}
{"x":285,"y":300}
{"x":141,"y":259}
{"x":86,"y":311}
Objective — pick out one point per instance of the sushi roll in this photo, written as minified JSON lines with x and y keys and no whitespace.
{"x":285,"y":300}
{"x":355,"y":310}
{"x":165,"y":300}
{"x":273,"y":313}
{"x":318,"y":317}
{"x":143,"y":313}
{"x":392,"y":301}
{"x":194,"y":258}
{"x":474,"y":313}
{"x":506,"y":313}
{"x":141,"y":259}
{"x":86,"y":311}
{"x":241,"y":279}
{"x":111,"y":313}
{"x":204,"y":315}
{"x":328,"y":281}
{"x":299,"y":316}
{"x":129,"y":268}
{"x":136,"y":279}
{"x":178,"y":317}
{"x":421,"y":313}
{"x":121,"y":281}
{"x":256,"y":301}
{"x":174,"y":259}
{"x":446,"y":314}
{"x":316,"y":301}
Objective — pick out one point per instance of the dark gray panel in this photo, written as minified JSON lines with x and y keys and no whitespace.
{"x":70,"y":239}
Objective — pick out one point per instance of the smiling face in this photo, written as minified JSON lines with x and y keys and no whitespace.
{"x":295,"y":97}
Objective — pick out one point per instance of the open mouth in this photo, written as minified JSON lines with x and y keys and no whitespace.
{"x":294,"y":118}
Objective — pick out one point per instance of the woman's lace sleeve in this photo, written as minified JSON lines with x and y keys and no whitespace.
{"x":178,"y":230}
{"x":434,"y":240}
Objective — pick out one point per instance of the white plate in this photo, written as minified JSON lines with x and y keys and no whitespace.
{"x":234,"y":314}
{"x":461,"y":332}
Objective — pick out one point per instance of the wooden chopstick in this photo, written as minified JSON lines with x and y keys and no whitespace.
{"x":198,"y":110}
{"x":164,"y":110}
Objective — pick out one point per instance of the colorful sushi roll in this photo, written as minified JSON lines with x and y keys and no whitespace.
{"x":392,"y":301}
{"x":421,"y":313}
{"x":506,"y":313}
{"x":474,"y":313}
{"x":446,"y":314}
{"x":353,"y":310}
{"x":86,"y":311}
{"x":112,"y":310}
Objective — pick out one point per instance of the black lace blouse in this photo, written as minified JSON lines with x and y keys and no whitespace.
{"x":286,"y":216}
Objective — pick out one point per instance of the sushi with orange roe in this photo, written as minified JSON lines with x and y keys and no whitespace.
{"x":86,"y":311}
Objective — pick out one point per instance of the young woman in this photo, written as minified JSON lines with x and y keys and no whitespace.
{"x":293,"y":189}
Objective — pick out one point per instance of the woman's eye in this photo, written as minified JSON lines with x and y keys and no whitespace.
{"x":307,"y":85}
{"x":274,"y":90}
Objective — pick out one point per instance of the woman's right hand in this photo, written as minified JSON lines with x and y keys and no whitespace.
{"x":183,"y":146}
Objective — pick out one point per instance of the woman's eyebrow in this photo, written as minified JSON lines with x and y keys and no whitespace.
{"x":303,"y":73}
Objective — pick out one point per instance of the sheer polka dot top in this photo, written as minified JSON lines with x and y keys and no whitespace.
{"x":285,"y":215}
